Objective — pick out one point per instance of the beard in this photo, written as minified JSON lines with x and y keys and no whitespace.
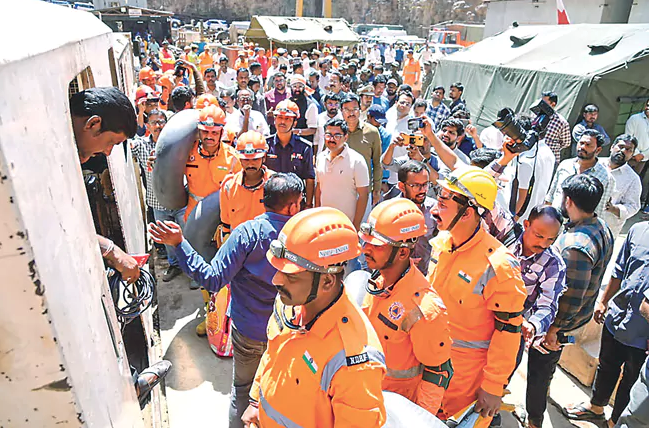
{"x":564,"y":212}
{"x":618,"y":158}
{"x":583,"y":154}
{"x":297,"y":94}
{"x":332,"y":111}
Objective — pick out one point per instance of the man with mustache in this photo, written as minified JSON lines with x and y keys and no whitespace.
{"x":589,"y":147}
{"x":625,"y":199}
{"x":480,"y":282}
{"x":324,"y":365}
{"x":408,"y":316}
{"x":241,"y":195}
{"x":241,"y":262}
{"x":332,"y":105}
{"x":274,"y":96}
{"x":589,"y":121}
{"x":544,"y":273}
{"x":306,"y":123}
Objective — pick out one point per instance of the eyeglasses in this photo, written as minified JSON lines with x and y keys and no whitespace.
{"x":351,"y":110}
{"x":419,"y":186}
{"x":444,"y":194}
{"x":337,"y":137}
{"x":158,"y":122}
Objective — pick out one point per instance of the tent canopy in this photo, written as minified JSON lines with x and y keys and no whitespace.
{"x":291,"y":31}
{"x":597,"y":63}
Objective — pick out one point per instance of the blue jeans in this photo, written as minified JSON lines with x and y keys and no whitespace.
{"x":177,"y":217}
{"x":246,"y":357}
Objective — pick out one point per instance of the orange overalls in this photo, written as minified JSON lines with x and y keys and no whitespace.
{"x":411,"y":72}
{"x":412,"y":325}
{"x":205,"y":61}
{"x":481,"y":286}
{"x":328,"y":376}
{"x":239,"y":203}
{"x":205,"y":175}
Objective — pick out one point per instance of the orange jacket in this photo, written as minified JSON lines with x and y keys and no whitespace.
{"x":328,"y":376}
{"x":412,"y":325}
{"x":205,"y":61}
{"x":411,"y":72}
{"x":239,"y":203}
{"x":481,"y":286}
{"x":205,"y":175}
{"x":240,"y":63}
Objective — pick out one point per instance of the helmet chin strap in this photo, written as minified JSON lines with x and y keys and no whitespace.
{"x":391,"y":258}
{"x":316,"y":276}
{"x":457,"y":218}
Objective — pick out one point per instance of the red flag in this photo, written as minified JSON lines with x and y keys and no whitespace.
{"x":562,"y":16}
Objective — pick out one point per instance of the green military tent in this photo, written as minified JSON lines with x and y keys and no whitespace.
{"x":300,"y":32}
{"x":605,"y":64}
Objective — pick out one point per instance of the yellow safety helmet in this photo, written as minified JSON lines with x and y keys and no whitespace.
{"x":474,"y":183}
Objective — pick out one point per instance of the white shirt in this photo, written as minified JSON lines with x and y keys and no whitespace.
{"x":389,"y":55}
{"x":311,"y":115}
{"x":639,"y":126}
{"x":322,"y":118}
{"x":284,"y":60}
{"x":396,"y":126}
{"x":626,"y":196}
{"x":542,"y":163}
{"x":324,"y":82}
{"x":492,"y":137}
{"x":228,"y":78}
{"x":257,"y":121}
{"x":340,"y":178}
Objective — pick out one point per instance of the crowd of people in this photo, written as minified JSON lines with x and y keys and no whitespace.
{"x":334,"y":169}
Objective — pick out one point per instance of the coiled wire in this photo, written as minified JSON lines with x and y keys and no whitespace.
{"x":131,"y":300}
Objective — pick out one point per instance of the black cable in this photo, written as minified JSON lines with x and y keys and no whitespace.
{"x":131,"y":300}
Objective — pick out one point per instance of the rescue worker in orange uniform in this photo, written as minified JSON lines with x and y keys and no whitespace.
{"x":241,"y":195}
{"x":323,"y":366}
{"x":408,"y":315}
{"x":205,"y":100}
{"x":210,"y":160}
{"x":147,"y":77}
{"x":205,"y":60}
{"x":480,"y":282}
{"x":412,"y":71}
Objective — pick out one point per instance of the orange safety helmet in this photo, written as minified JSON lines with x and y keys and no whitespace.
{"x":211,"y":118}
{"x":146,"y":73}
{"x":397,"y":222}
{"x":287,"y":108}
{"x":205,"y":100}
{"x":318,"y":240}
{"x":251,"y":145}
{"x":143,"y":91}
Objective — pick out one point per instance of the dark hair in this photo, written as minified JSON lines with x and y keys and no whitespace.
{"x":381,"y":78}
{"x":347,"y":79}
{"x":331,"y":96}
{"x":407,"y":94}
{"x":404,"y":87}
{"x":210,"y":70}
{"x":339,"y":123}
{"x":420,"y":102}
{"x":458,"y":85}
{"x":626,"y":138}
{"x":281,"y":189}
{"x":252,"y":82}
{"x":227,"y":92}
{"x":312,"y":63}
{"x":439,"y":88}
{"x":337,"y":74}
{"x":278,"y":74}
{"x":111,"y":105}
{"x":253,"y":66}
{"x":323,"y":61}
{"x":483,"y":156}
{"x":349,"y":98}
{"x":410,"y":166}
{"x":584,"y":190}
{"x":545,"y":210}
{"x":599,"y":138}
{"x":242,"y":70}
{"x":296,"y":66}
{"x":156,"y":112}
{"x":283,"y":66}
{"x":313,"y":73}
{"x":550,"y":94}
{"x":180,"y":96}
{"x":590,"y":108}
{"x":453,"y":123}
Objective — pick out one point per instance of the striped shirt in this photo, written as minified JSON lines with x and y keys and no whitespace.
{"x":544,"y":275}
{"x":141,"y":147}
{"x":586,"y":248}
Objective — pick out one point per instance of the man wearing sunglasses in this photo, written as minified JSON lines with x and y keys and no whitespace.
{"x":342,"y":175}
{"x":480,"y":282}
{"x":407,"y":314}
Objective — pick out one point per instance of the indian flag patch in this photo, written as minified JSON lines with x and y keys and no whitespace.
{"x":311,"y":363}
{"x":464,"y":276}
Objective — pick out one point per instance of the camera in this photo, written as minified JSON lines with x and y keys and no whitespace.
{"x":524,"y":139}
{"x":412,"y":139}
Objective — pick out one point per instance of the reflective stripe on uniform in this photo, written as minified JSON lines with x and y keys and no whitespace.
{"x":275,"y":415}
{"x":487,"y":276}
{"x":405,"y":374}
{"x":471,"y":344}
{"x":195,"y":197}
{"x":339,"y":360}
